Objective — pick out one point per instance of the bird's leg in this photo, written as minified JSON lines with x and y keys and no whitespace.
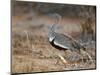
{"x":63,"y":60}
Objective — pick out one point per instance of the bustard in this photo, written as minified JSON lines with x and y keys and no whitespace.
{"x":64,"y":42}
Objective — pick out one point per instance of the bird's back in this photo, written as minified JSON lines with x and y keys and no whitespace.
{"x":66,"y":42}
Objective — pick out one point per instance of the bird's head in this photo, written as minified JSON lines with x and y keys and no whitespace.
{"x":51,"y":34}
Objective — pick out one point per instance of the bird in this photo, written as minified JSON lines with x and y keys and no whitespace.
{"x":64,"y":42}
{"x":61,"y":41}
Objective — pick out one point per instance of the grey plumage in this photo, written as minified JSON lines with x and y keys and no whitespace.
{"x":65,"y":42}
{"x":61,"y":40}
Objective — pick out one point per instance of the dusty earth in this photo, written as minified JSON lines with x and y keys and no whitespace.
{"x":32,"y":52}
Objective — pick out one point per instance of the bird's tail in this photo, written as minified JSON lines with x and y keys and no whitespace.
{"x":76,"y":44}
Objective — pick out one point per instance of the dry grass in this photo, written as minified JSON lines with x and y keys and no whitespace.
{"x":31,"y":52}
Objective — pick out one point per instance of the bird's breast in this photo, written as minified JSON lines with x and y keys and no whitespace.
{"x":50,"y":39}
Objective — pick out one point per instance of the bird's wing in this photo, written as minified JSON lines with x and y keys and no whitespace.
{"x":60,"y":45}
{"x":63,"y":41}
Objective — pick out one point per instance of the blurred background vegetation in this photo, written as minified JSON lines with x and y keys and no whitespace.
{"x":83,"y":11}
{"x":86,"y":12}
